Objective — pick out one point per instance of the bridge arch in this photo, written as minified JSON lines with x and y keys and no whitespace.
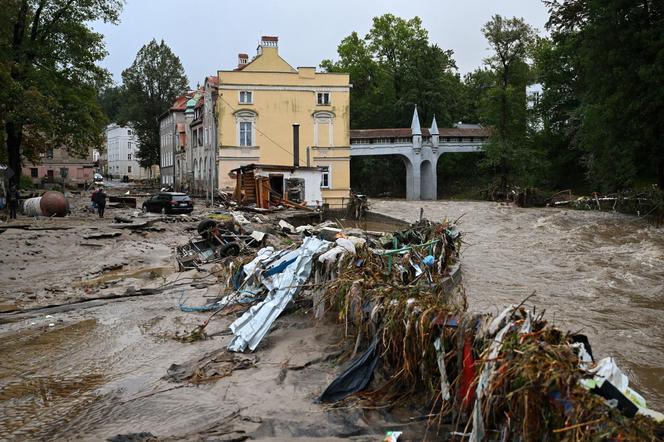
{"x":428,"y":182}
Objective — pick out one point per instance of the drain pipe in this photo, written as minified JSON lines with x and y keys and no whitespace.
{"x":296,"y":144}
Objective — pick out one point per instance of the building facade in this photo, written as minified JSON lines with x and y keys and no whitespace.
{"x":58,"y":165}
{"x":204,"y":130}
{"x":122,"y":154}
{"x":261,"y":101}
{"x":172,"y":139}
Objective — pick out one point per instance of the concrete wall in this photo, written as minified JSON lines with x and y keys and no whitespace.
{"x":312,"y":180}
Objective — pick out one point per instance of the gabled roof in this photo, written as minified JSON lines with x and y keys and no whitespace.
{"x":180,"y":103}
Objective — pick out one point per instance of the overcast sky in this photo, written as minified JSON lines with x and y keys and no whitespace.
{"x":207,"y":35}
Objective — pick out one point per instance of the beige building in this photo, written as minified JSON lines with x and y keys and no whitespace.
{"x":258,"y":105}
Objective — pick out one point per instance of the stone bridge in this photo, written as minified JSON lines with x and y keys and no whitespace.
{"x":419,"y":149}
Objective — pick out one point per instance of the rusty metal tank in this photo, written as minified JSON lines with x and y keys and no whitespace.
{"x":54,"y":204}
{"x":51,"y":203}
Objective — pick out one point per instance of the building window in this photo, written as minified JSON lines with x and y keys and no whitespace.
{"x":129,"y":132}
{"x":323,"y":98}
{"x":129,"y":156}
{"x":325,"y":178}
{"x":128,"y":169}
{"x":245,"y":133}
{"x":246,"y":97}
{"x":129,"y":145}
{"x":34,"y":173}
{"x":245,"y":127}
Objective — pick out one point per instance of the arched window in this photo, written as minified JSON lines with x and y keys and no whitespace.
{"x":245,"y":121}
{"x":195,"y":169}
{"x":323,"y":129}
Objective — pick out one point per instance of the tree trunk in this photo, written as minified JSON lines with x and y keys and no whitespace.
{"x":503,"y":130}
{"x":14,"y":134}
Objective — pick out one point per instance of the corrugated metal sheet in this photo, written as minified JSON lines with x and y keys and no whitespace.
{"x":254,"y":324}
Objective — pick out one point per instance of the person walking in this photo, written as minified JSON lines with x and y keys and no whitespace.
{"x":100,"y":200}
{"x":12,"y":201}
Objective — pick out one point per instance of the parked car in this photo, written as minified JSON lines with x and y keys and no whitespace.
{"x":169,"y":202}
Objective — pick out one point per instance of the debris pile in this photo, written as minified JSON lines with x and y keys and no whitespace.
{"x":410,"y":339}
{"x":218,"y":239}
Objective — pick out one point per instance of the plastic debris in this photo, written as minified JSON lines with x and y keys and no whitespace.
{"x":392,"y":436}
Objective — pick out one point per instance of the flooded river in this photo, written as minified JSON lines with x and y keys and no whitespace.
{"x":600,"y":274}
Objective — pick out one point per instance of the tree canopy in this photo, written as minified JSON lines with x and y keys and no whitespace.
{"x":151,"y":84}
{"x":395,"y":67}
{"x":608,"y":61}
{"x":49,"y":77}
{"x":505,"y":107}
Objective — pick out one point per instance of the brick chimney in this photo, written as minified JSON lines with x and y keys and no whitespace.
{"x":242,"y":59}
{"x":268,"y":41}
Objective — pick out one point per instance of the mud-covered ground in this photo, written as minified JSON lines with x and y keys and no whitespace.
{"x":86,"y":353}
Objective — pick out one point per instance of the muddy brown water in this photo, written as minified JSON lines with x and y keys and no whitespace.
{"x":601,"y":274}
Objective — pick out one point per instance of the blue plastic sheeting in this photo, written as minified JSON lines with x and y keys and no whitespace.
{"x":254,"y":324}
{"x":279,"y":267}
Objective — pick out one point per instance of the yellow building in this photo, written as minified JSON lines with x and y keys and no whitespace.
{"x":261,"y":100}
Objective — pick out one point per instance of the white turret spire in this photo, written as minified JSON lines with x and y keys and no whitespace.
{"x":435,"y":140}
{"x":415,"y":125}
{"x":434,"y":127}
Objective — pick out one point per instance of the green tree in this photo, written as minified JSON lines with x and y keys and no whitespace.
{"x":558,"y":111}
{"x":506,"y":107}
{"x":617,"y":47}
{"x":151,"y":83}
{"x":111,"y":100}
{"x":395,"y":67}
{"x":476,"y":86}
{"x":48,"y":76}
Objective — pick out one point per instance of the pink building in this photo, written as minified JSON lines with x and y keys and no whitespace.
{"x":57,"y":164}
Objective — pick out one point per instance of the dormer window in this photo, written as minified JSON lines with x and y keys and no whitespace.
{"x":246,"y":97}
{"x":323,"y":98}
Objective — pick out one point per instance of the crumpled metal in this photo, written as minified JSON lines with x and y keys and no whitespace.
{"x":254,"y":324}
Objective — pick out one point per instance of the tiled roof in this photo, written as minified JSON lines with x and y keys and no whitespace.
{"x":180,"y":103}
{"x":406,"y":133}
